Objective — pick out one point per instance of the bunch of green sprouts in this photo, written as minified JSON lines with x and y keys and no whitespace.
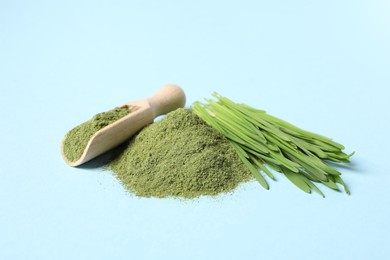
{"x":262,"y":140}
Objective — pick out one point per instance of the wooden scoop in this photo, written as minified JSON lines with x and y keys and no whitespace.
{"x":143,"y":112}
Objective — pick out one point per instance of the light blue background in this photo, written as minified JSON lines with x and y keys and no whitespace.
{"x":322,"y":65}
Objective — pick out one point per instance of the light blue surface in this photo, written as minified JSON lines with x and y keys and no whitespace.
{"x":322,"y":65}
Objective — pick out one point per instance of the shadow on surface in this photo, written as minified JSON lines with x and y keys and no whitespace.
{"x":354,"y":165}
{"x":104,"y":159}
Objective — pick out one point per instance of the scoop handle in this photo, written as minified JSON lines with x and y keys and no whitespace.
{"x":167,"y":99}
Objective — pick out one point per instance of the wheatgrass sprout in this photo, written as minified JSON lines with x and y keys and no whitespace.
{"x":265,"y":142}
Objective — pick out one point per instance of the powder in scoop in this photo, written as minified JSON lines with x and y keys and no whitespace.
{"x":77,"y":139}
{"x":179,"y":156}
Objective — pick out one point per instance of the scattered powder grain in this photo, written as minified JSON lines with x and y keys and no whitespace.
{"x":179,"y":156}
{"x":77,"y":139}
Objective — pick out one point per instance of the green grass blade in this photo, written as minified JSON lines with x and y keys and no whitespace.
{"x":293,"y":177}
{"x":251,"y":168}
{"x":262,"y":140}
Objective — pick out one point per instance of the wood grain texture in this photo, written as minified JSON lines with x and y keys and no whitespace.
{"x":143,"y":112}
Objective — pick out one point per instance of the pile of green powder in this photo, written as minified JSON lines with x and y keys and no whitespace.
{"x":77,"y":139}
{"x":179,"y":156}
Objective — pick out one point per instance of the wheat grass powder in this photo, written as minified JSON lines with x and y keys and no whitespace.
{"x":178,"y":156}
{"x":77,"y":139}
